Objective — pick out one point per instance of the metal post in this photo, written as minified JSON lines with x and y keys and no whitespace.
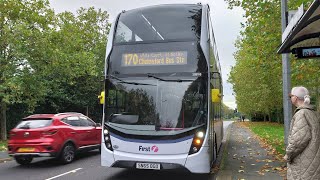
{"x":286,"y":76}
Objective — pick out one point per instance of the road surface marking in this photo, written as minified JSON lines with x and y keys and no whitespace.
{"x":72,"y":171}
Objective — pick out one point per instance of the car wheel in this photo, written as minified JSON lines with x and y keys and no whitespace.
{"x":67,"y":153}
{"x":23,"y":160}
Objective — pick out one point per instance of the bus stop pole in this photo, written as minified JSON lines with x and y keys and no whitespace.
{"x":286,"y":76}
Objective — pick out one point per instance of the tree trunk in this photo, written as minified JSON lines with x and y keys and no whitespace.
{"x":278,"y":114}
{"x":264,"y":118}
{"x":87,"y":111}
{"x":269,"y":117}
{"x":318,"y":98}
{"x":3,"y":120}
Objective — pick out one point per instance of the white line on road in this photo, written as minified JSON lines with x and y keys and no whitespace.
{"x":72,"y":171}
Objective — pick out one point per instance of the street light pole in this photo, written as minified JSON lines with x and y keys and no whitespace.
{"x":286,"y":76}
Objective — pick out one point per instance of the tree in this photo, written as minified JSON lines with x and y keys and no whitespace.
{"x":76,"y":64}
{"x":49,"y":62}
{"x":22,"y":27}
{"x":257,"y":75}
{"x":227,"y":112}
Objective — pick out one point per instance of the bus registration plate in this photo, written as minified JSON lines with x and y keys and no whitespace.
{"x":148,"y":166}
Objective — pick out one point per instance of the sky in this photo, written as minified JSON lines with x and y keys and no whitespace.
{"x":226,"y":26}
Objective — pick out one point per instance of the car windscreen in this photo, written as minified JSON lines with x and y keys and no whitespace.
{"x":34,"y":123}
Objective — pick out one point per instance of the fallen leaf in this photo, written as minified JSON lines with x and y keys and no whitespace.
{"x":277,"y":168}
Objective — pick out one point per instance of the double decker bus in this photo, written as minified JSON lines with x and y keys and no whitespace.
{"x":163,"y":90}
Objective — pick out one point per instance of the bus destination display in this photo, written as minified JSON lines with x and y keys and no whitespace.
{"x":307,"y":52}
{"x":154,"y":58}
{"x":311,"y":52}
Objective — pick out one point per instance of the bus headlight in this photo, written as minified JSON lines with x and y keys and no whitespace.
{"x":200,"y":134}
{"x":105,"y":131}
{"x":107,"y":140}
{"x":194,"y":149}
{"x":197,"y":142}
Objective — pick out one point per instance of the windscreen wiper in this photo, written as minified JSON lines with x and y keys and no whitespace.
{"x":134,"y":83}
{"x":169,"y":80}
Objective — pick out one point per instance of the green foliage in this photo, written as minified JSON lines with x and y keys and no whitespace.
{"x":257,"y":75}
{"x":3,"y":145}
{"x":50,"y":62}
{"x":22,"y":28}
{"x":74,"y":71}
{"x":228,"y":113}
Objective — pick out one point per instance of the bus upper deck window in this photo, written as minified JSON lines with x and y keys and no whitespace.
{"x":159,"y":24}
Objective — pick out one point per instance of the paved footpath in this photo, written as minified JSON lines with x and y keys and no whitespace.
{"x":245,"y":159}
{"x":4,"y":156}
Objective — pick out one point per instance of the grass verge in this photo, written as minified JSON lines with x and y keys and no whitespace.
{"x":271,"y":133}
{"x":224,"y":152}
{"x":3,"y":145}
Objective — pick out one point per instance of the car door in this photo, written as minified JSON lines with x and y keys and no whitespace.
{"x":77,"y":131}
{"x":89,"y":128}
{"x":96,"y":132}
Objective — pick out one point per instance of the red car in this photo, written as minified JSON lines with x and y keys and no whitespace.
{"x":53,"y":135}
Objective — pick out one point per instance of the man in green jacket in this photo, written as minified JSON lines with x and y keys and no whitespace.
{"x":303,"y":150}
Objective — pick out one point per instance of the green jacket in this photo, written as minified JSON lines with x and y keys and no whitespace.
{"x":303,"y":148}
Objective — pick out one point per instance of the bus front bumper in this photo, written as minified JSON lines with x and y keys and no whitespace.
{"x":195,"y":163}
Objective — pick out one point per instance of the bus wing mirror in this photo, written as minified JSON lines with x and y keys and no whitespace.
{"x":215,"y":96}
{"x":101,"y":97}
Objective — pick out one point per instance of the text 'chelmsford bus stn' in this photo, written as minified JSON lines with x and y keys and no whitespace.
{"x":163,"y":90}
{"x":159,"y":58}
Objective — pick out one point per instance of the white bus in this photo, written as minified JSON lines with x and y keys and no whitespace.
{"x":163,"y":90}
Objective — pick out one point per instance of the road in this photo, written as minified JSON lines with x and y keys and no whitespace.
{"x":86,"y":166}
